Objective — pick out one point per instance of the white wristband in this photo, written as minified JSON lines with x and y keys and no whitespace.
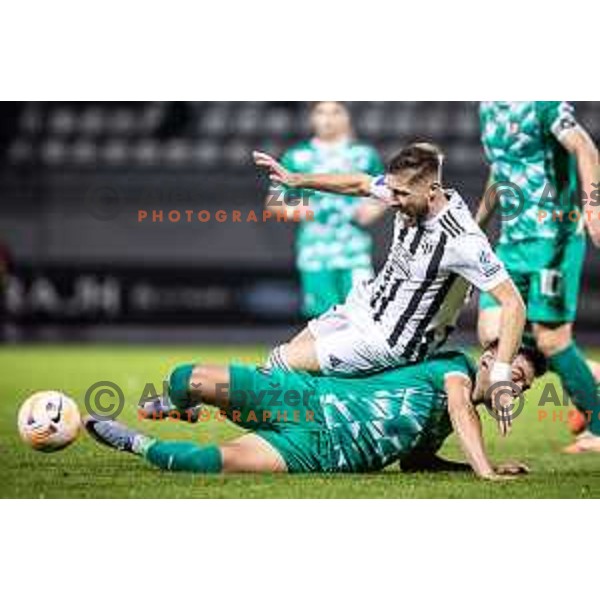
{"x":501,"y":372}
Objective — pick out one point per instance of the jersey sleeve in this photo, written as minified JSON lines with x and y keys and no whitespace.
{"x":452,"y":362}
{"x":472,"y":257}
{"x":379,"y":189}
{"x":558,"y":118}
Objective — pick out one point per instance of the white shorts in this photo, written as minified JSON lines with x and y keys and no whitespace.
{"x":344,"y":349}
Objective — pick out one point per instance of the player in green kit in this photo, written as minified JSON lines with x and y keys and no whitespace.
{"x":538,"y":155}
{"x":333,"y":248}
{"x":300,"y":423}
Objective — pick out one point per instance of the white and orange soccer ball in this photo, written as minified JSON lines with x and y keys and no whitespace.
{"x":49,"y":421}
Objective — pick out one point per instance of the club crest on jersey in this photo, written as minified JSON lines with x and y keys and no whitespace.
{"x":427,"y":247}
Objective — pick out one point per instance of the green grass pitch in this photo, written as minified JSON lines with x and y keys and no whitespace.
{"x":88,"y":471}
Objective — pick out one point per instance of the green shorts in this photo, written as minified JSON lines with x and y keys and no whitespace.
{"x":283,"y":409}
{"x":322,"y":290}
{"x":548,"y":276}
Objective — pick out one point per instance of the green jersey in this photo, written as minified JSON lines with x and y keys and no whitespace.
{"x":522,"y":144}
{"x":333,"y":240}
{"x":378,"y":420}
{"x":348,"y":425}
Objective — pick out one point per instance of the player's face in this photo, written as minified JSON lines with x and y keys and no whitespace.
{"x":523,"y":371}
{"x":330,"y":121}
{"x":409,"y":197}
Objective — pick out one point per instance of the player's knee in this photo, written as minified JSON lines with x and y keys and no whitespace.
{"x":278,"y":359}
{"x":551,"y":341}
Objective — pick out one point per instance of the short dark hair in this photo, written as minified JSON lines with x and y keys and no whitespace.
{"x":536,"y":358}
{"x":531,"y":353}
{"x":423,"y":158}
{"x":315,"y":104}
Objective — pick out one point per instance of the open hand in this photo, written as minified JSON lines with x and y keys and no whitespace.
{"x":503,"y":404}
{"x":277,"y":173}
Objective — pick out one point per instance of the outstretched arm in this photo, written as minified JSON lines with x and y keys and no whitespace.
{"x":346,"y":185}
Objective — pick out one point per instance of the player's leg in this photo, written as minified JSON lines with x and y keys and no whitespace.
{"x":282,"y":408}
{"x":189,"y":386}
{"x":298,"y":355}
{"x":248,"y":454}
{"x":320,"y":294}
{"x":569,"y":363}
{"x":552,"y":310}
{"x":252,"y":454}
{"x":333,"y":345}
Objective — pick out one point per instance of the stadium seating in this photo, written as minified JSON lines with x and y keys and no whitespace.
{"x":216,"y":136}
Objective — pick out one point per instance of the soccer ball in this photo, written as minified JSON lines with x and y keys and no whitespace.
{"x":49,"y":421}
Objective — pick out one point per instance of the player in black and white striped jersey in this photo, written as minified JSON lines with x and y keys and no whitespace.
{"x":407,"y":312}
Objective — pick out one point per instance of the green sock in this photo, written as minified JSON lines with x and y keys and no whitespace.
{"x":185,"y":457}
{"x":179,"y":386}
{"x":578,"y":380}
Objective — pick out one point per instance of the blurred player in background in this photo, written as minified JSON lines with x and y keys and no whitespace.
{"x":536,"y":151}
{"x":333,"y":248}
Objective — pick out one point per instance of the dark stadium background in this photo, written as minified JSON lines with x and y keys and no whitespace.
{"x":80,"y":266}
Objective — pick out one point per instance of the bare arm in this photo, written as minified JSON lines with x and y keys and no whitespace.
{"x":278,"y":203}
{"x":580,"y":144}
{"x":467,"y":425}
{"x":346,"y":185}
{"x":512,"y":322}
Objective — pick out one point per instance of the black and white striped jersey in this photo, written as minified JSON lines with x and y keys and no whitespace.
{"x":414,"y":302}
